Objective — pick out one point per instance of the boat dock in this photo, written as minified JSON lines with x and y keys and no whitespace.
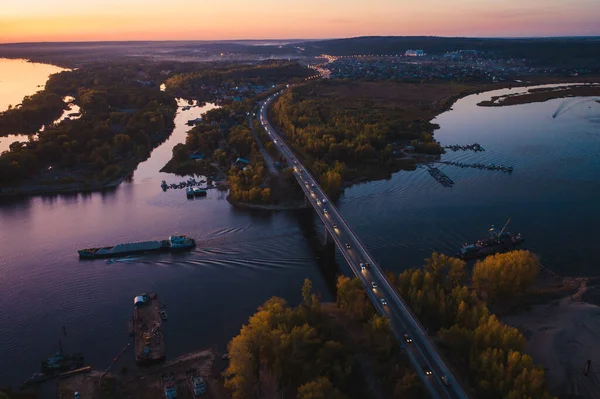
{"x":190,"y":183}
{"x":475,"y":147}
{"x":491,"y":166}
{"x":440,"y":176}
{"x":149,"y":344}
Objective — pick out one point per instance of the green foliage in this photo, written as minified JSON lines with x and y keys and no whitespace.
{"x":488,"y":351}
{"x":232,"y":75}
{"x":353,"y":133}
{"x":121,"y":122}
{"x":35,"y":111}
{"x":503,"y":276}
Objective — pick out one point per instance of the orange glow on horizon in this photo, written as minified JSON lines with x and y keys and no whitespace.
{"x":109,"y":20}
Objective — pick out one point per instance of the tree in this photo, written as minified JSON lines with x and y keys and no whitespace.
{"x":320,"y":388}
{"x":122,"y":143}
{"x":504,"y":275}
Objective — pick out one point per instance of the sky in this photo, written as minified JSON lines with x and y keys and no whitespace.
{"x":99,"y":20}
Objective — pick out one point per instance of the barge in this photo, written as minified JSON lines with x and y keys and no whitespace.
{"x":174,"y":243}
{"x":146,"y":325}
{"x":496,"y":242}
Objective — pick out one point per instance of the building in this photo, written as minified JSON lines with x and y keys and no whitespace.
{"x":414,"y":53}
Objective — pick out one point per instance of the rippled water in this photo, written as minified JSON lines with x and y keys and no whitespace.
{"x":241,"y":260}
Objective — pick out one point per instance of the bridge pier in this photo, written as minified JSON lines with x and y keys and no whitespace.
{"x":327,"y":239}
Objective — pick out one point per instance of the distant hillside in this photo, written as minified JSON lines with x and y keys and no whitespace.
{"x":580,"y":52}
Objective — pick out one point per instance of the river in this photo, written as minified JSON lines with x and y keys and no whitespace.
{"x":551,"y":197}
{"x":243,"y":258}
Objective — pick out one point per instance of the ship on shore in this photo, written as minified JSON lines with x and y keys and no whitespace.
{"x":174,"y":243}
{"x":146,"y":327}
{"x":496,"y":242}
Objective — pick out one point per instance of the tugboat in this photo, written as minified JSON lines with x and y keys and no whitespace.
{"x":196,"y":383}
{"x":494,"y":243}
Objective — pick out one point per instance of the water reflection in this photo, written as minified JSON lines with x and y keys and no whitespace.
{"x":241,"y":260}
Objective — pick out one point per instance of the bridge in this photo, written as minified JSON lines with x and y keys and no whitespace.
{"x":423,"y":355}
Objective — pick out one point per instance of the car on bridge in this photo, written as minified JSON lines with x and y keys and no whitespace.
{"x":374,"y":285}
{"x":363,"y":266}
{"x":383,"y":301}
{"x":427,"y":371}
{"x":348,"y":246}
{"x":324,"y":200}
{"x":407,"y":338}
{"x":325,"y":210}
{"x":445,"y":380}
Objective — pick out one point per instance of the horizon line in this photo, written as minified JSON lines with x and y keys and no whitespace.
{"x":304,"y":39}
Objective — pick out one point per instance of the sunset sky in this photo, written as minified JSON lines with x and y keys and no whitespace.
{"x":53,"y":20}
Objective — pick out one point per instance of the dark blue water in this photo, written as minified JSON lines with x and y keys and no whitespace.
{"x":552,"y":197}
{"x":244,"y":258}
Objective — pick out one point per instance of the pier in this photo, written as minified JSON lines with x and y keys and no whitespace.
{"x":491,"y":166}
{"x":440,"y":176}
{"x":475,"y":147}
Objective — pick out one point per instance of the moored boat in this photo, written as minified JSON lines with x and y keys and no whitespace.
{"x":196,"y":383}
{"x":168,"y":385}
{"x":198,"y":192}
{"x":496,"y":242}
{"x":189,"y":192}
{"x":175,"y":242}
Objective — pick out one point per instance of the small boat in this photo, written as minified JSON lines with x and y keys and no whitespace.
{"x":196,"y":383}
{"x":164,"y":186}
{"x":163,"y":314}
{"x":169,"y":386}
{"x":189,"y":192}
{"x":198,"y":192}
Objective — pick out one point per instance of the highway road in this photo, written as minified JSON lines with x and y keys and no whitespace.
{"x":422,"y":353}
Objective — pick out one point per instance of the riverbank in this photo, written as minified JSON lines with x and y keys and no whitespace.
{"x":69,"y":188}
{"x":542,"y":94}
{"x":562,"y":336}
{"x":146,"y":383}
{"x":286,"y":206}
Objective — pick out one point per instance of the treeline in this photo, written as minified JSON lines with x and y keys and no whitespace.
{"x":487,"y":352}
{"x":345,"y":139}
{"x":313,"y":352}
{"x":223,"y":136}
{"x":34,"y":112}
{"x":121,"y":122}
{"x":232,"y":75}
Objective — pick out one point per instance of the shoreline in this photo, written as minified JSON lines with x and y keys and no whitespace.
{"x":543,"y":94}
{"x":72,"y":188}
{"x":267,"y":207}
{"x":69,"y":188}
{"x":561,"y":333}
